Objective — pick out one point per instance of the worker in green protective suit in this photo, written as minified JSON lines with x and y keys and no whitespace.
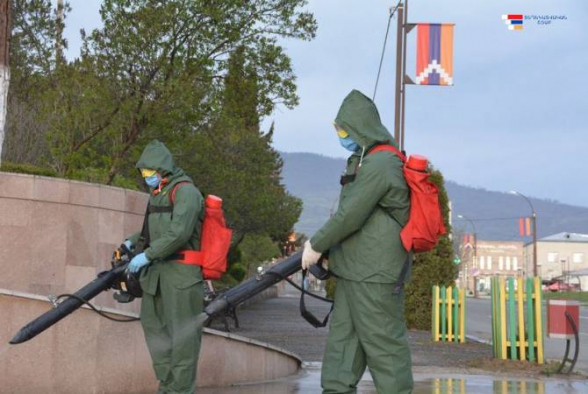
{"x":172,"y":289}
{"x":366,"y":255}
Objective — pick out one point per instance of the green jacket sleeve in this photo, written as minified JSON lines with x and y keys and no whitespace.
{"x":187,"y":208}
{"x":355,"y":208}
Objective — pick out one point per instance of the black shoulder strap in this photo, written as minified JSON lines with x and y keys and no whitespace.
{"x":399,"y":285}
{"x":155,"y":209}
{"x":145,"y":229}
{"x":306,"y":314}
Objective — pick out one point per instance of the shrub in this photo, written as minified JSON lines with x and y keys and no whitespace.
{"x":238,"y":272}
{"x":27,"y":169}
{"x":432,"y":268}
{"x":330,"y":287}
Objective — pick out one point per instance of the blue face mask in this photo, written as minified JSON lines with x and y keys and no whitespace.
{"x":153,"y":181}
{"x":348,"y":144}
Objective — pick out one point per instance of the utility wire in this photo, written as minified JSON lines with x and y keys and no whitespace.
{"x":392,"y":12}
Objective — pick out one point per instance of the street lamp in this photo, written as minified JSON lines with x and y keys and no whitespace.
{"x":475,"y":252}
{"x":534,"y":218}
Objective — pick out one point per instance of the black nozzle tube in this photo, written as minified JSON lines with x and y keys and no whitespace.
{"x":103,"y":282}
{"x":255,"y":285}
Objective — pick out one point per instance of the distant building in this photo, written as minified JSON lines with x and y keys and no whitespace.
{"x":558,"y":254}
{"x":497,"y":258}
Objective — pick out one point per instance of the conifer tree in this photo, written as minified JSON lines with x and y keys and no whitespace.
{"x":431,"y":268}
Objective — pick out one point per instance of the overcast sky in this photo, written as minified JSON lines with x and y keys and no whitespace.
{"x":515,"y":119}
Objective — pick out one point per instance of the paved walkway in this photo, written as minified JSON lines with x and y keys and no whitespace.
{"x":439,"y":368}
{"x":278,"y":321}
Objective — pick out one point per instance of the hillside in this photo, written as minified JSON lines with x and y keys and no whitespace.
{"x":315,"y":179}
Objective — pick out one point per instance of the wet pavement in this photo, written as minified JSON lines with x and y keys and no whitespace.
{"x":439,"y":368}
{"x":277,"y":321}
{"x":308,"y":382}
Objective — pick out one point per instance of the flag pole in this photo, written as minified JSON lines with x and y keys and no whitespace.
{"x":404,"y":34}
{"x":399,"y":71}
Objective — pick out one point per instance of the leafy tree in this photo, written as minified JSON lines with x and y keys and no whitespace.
{"x":32,"y":62}
{"x":432,"y":268}
{"x":160,"y":66}
{"x":235,"y":160}
{"x":257,"y":249}
{"x":198,"y":75}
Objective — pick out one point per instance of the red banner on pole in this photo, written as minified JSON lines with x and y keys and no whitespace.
{"x":528,"y":220}
{"x":521,"y":227}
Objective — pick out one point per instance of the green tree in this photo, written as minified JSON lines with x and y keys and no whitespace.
{"x":33,"y":63}
{"x":432,"y":268}
{"x":160,"y":68}
{"x":256,"y":249}
{"x":235,"y":160}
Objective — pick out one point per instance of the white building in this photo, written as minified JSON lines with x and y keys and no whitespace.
{"x":557,"y":255}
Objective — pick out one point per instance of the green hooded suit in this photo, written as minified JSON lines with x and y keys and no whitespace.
{"x":172,"y":292}
{"x":367,"y":256}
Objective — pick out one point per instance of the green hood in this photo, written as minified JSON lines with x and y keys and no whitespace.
{"x":359,"y":116}
{"x":156,"y":156}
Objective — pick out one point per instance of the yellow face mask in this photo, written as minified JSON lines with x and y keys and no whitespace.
{"x":146,"y":172}
{"x":340,"y":132}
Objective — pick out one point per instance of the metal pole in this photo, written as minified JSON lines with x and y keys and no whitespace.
{"x":534,"y":242}
{"x":399,"y":71}
{"x":404,"y":34}
{"x":534,"y":218}
{"x":465,"y":273}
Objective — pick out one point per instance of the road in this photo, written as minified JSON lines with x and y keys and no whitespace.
{"x":479,"y":317}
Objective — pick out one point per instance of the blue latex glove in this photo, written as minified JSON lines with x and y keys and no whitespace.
{"x":138,"y":262}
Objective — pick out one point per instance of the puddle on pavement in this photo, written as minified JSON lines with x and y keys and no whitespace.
{"x":308,"y":382}
{"x":487,"y":385}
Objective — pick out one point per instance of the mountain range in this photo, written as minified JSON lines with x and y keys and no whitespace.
{"x":315,"y":179}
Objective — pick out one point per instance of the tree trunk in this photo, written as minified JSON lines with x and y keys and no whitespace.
{"x":5,"y":32}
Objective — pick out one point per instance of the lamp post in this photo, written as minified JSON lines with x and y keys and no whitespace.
{"x":534,"y":219}
{"x":475,"y":246}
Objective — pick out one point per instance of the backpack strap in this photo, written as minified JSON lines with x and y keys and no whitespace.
{"x":155,"y":209}
{"x":172,"y":194}
{"x":388,"y":148}
{"x":158,"y":209}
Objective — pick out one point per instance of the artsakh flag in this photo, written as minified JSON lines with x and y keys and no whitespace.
{"x":434,"y":54}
